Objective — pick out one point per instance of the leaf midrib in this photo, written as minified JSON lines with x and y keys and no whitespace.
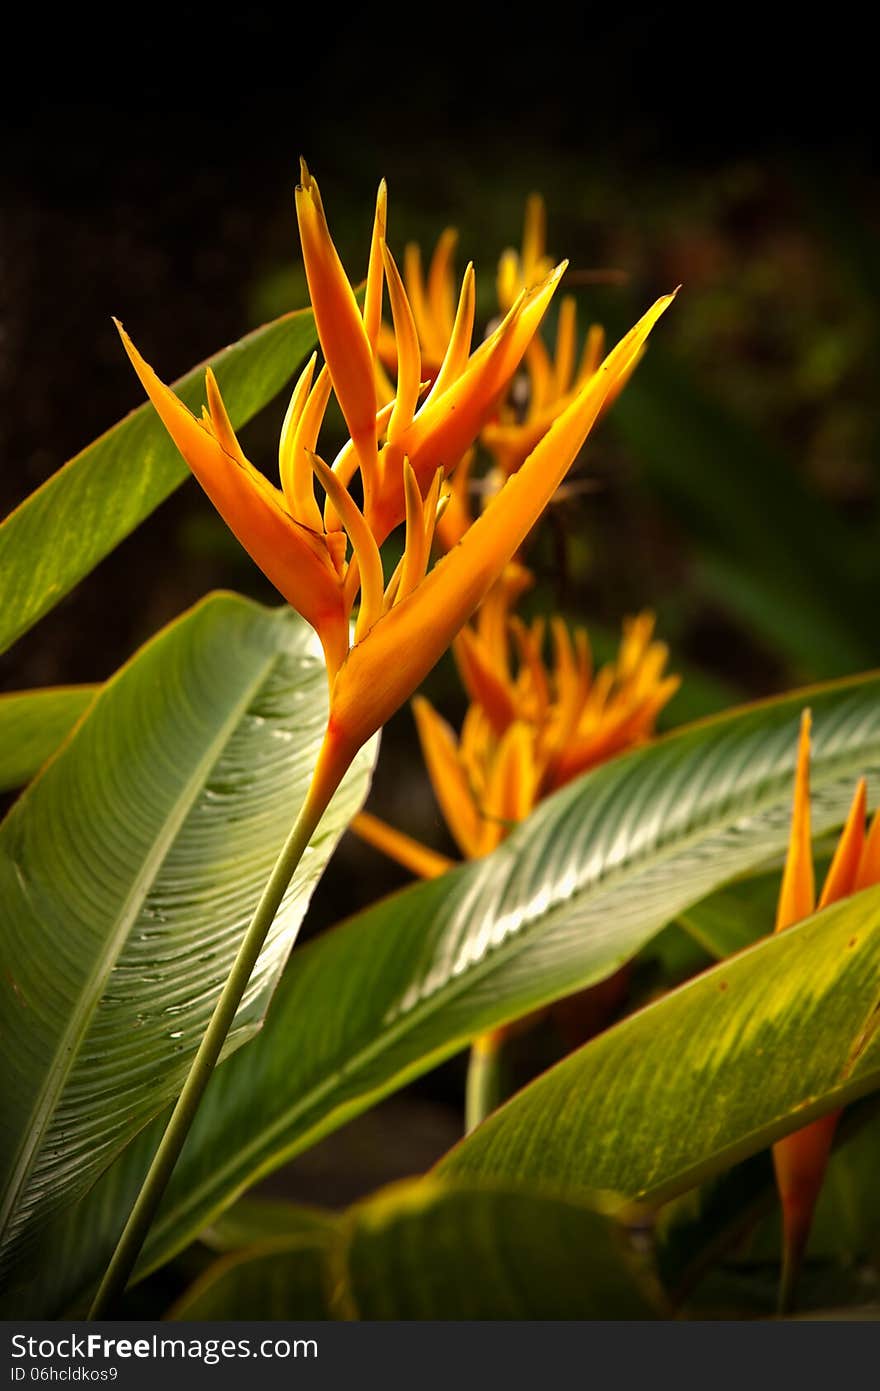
{"x":449,"y":990}
{"x":68,"y":1046}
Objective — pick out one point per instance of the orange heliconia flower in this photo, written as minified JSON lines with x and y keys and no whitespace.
{"x":547,"y":387}
{"x":800,"y":1159}
{"x":520,"y":270}
{"x":433,"y":302}
{"x":529,"y":728}
{"x":324,"y":556}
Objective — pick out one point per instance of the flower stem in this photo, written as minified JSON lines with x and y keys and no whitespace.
{"x":483,"y":1086}
{"x":203,"y":1064}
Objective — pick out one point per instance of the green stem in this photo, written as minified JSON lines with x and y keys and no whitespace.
{"x":483,"y":1086}
{"x":203,"y":1064}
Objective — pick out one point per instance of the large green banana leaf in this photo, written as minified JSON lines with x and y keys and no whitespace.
{"x":61,"y":531}
{"x":744,"y":1053}
{"x":574,"y":892}
{"x":426,"y":1250}
{"x":32,"y":725}
{"x":128,"y":872}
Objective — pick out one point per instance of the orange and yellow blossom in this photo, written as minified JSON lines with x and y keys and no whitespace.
{"x":529,"y":728}
{"x":800,"y":1159}
{"x":432,"y":295}
{"x":549,"y":384}
{"x":432,"y":299}
{"x":322,"y":556}
{"x":520,"y":270}
{"x":536,"y":396}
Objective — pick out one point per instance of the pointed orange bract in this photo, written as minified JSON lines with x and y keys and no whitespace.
{"x":797,"y":897}
{"x":344,"y":339}
{"x":433,"y":303}
{"x":520,"y":725}
{"x":445,"y":426}
{"x":417,"y":858}
{"x":374,"y":680}
{"x":801,"y":1159}
{"x":550,"y":385}
{"x":518,"y":271}
{"x":290,"y":554}
{"x":322,"y":557}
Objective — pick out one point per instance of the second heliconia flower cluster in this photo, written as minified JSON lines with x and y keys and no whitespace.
{"x":382,"y":634}
{"x":530,"y":726}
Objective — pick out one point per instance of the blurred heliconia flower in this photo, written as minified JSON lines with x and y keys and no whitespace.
{"x":520,"y":270}
{"x":324,"y":556}
{"x":547,"y":386}
{"x":536,"y":395}
{"x":800,"y":1159}
{"x":433,"y":298}
{"x":529,"y":727}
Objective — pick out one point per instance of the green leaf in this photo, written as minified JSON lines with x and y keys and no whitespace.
{"x":128,"y":871}
{"x":264,"y":1280}
{"x":735,"y":916}
{"x":32,"y":725}
{"x":750,"y":1050}
{"x":572,"y":894}
{"x":424,"y":1250}
{"x":68,"y":525}
{"x":742,"y":912}
{"x":253,"y":1220}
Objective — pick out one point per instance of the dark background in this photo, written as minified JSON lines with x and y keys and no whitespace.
{"x":147,"y":171}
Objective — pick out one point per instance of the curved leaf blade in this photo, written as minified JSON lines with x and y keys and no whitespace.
{"x":128,"y":871}
{"x":61,"y":532}
{"x":254,"y":1220}
{"x":32,"y":726}
{"x":714,"y":1072}
{"x":573,"y":893}
{"x":425,"y":1250}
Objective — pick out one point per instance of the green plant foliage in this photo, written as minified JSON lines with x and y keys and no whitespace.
{"x":32,"y":725}
{"x":574,"y":892}
{"x":68,"y":525}
{"x":253,"y":1220}
{"x":735,"y":916}
{"x":128,"y":871}
{"x":717,"y":1070}
{"x":425,"y":1250}
{"x":729,"y":1229}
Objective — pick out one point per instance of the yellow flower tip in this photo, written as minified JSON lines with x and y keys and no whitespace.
{"x":868,"y":872}
{"x":383,"y":670}
{"x":169,"y":406}
{"x":841,"y":880}
{"x":343,"y":337}
{"x":293,"y":557}
{"x":305,"y":178}
{"x":364,"y":546}
{"x":552,"y":278}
